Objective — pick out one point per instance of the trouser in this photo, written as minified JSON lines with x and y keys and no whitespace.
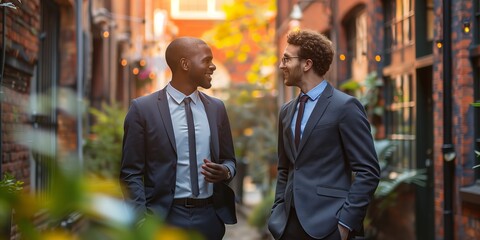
{"x":294,"y":230}
{"x":203,"y":220}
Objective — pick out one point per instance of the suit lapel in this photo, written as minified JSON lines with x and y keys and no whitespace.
{"x":211,"y":111}
{"x":317,"y":113}
{"x":288,"y":140}
{"x":165,"y":116}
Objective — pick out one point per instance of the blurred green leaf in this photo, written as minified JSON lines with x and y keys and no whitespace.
{"x":103,"y":148}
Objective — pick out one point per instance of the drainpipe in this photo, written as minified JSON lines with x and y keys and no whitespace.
{"x":79,"y":8}
{"x":448,"y":149}
{"x":334,"y":38}
{"x":4,"y":46}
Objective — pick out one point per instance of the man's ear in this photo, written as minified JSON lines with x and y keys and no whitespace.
{"x":308,"y":65}
{"x":184,"y":64}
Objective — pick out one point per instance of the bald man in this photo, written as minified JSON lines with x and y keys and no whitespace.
{"x":175,"y":169}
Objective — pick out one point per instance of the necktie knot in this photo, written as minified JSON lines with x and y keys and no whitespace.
{"x":304,"y":98}
{"x":187,"y":100}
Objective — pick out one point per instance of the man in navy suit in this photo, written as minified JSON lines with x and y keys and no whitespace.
{"x":327,"y":166}
{"x":159,"y":144}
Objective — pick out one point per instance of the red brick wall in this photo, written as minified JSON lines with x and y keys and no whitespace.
{"x":466,"y":215}
{"x":22,"y":43}
{"x":15,"y":156}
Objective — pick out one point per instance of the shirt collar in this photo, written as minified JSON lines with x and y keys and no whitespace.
{"x":178,"y":96}
{"x":315,"y":93}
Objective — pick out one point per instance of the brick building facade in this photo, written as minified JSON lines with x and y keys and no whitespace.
{"x":38,"y":123}
{"x":398,"y":41}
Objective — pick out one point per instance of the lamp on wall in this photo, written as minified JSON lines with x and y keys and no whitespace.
{"x":296,"y":13}
{"x":466,"y":25}
{"x":439,"y":43}
{"x":295,"y":17}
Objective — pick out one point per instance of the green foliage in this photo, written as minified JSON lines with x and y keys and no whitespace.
{"x":387,"y":187}
{"x":350,"y":86}
{"x":10,"y":184}
{"x":9,"y":189}
{"x":253,"y":110}
{"x":97,"y":201}
{"x":9,"y":4}
{"x":103,"y":148}
{"x":478,"y":157}
{"x":477,"y":153}
{"x":391,"y":179}
{"x":261,"y":212}
{"x":367,"y":92}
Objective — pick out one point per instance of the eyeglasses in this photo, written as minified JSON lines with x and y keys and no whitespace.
{"x":287,"y":59}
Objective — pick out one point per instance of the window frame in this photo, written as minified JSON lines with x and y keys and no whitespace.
{"x":356,"y":28}
{"x":396,"y":21}
{"x":404,"y":156}
{"x":211,"y":12}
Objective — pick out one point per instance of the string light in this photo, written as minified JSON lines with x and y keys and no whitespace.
{"x":106,"y":34}
{"x":152,"y":75}
{"x":378,"y":58}
{"x":124,"y":62}
{"x":342,"y":57}
{"x":135,"y":71}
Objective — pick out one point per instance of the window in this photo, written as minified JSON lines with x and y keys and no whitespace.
{"x":424,"y":28}
{"x":399,"y":20}
{"x":44,"y":116}
{"x":430,"y":20}
{"x":198,"y":9}
{"x":357,"y":45}
{"x":400,"y":120}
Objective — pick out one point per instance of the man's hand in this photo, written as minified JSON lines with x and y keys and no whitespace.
{"x":214,"y":172}
{"x":343,"y":232}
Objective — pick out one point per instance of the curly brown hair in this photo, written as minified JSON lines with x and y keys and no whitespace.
{"x":314,"y":46}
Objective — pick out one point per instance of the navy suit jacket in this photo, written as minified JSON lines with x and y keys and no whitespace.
{"x":149,"y":156}
{"x":336,"y":142}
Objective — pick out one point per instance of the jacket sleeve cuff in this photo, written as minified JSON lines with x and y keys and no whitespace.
{"x":345,"y":225}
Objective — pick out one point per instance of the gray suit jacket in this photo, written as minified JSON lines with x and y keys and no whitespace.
{"x":336,"y":142}
{"x":150,"y":156}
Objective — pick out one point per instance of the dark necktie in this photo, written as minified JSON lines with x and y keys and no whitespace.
{"x":298,"y":123}
{"x":192,"y":148}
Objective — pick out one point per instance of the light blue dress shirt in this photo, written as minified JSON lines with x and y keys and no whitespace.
{"x":313,"y":96}
{"x":202,"y":134}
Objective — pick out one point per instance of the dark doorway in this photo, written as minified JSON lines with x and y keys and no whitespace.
{"x":424,"y":194}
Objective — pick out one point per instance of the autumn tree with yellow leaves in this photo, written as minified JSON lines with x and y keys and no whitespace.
{"x":247,"y":35}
